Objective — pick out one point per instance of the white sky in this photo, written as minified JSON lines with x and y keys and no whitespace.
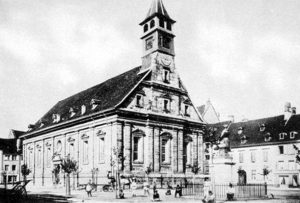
{"x":243,"y":55}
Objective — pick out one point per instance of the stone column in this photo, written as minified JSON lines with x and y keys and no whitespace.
{"x":156,"y":153}
{"x":127,"y":147}
{"x":175,"y":153}
{"x":180,"y":151}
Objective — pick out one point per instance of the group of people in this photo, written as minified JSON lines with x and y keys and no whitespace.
{"x":208,"y":198}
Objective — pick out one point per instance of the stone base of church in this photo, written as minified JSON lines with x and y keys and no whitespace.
{"x":221,"y":170}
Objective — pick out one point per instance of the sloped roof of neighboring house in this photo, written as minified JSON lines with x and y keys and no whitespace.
{"x":15,"y":133}
{"x":263,"y":131}
{"x":8,"y":146}
{"x":109,"y":94}
{"x":208,"y":112}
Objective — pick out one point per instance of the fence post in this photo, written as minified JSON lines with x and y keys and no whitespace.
{"x":266,"y":188}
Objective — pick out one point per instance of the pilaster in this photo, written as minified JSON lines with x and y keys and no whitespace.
{"x":195,"y":148}
{"x":175,"y":153}
{"x":149,"y":146}
{"x":127,"y":147}
{"x":180,"y":151}
{"x":156,"y":145}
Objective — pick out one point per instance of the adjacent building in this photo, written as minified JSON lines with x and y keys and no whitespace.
{"x":266,"y":143}
{"x":10,"y":157}
{"x":144,"y":117}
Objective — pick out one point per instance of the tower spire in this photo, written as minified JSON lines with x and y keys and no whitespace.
{"x":158,"y":9}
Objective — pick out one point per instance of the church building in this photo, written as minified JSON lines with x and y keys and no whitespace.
{"x":144,"y":117}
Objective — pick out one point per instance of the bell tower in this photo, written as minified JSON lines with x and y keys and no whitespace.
{"x":157,"y":35}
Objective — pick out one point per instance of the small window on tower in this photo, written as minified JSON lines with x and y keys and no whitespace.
{"x":152,"y":23}
{"x":146,"y":28}
{"x":161,"y":23}
{"x":169,"y":26}
{"x":167,"y":42}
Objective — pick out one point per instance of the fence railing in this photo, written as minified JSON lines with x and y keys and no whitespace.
{"x":220,"y":191}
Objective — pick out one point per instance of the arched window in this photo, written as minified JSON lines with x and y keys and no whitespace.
{"x":169,"y":26}
{"x":145,"y":27}
{"x":138,"y":146}
{"x":161,"y":23}
{"x":165,"y":155}
{"x":152,"y":23}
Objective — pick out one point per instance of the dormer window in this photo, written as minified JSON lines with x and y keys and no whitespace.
{"x":94,"y":103}
{"x":161,"y":23}
{"x":293,"y":134}
{"x":166,"y":76}
{"x":186,"y":110}
{"x":152,"y":24}
{"x":72,"y":112}
{"x":139,"y":101}
{"x":282,"y":135}
{"x":268,"y":137}
{"x":56,"y":118}
{"x":83,"y":109}
{"x":262,"y":128}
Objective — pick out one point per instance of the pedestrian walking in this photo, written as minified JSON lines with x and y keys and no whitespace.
{"x":146,"y":188}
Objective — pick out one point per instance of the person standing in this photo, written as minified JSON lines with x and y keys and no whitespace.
{"x":89,"y":189}
{"x":178,"y":191}
{"x":230,"y":192}
{"x":133,"y":188}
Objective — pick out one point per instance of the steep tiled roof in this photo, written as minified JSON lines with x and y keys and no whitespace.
{"x":109,"y":94}
{"x":157,"y":8}
{"x":8,"y":146}
{"x":17,"y":133}
{"x":257,"y":132}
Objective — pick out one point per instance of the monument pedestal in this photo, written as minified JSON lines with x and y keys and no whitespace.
{"x":221,"y":169}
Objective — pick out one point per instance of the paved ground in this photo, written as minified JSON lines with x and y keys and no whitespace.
{"x":81,"y":196}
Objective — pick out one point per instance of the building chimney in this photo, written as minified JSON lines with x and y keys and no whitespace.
{"x":287,"y":111}
{"x":294,"y":110}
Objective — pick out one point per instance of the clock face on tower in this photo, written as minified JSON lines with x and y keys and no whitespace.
{"x":149,"y":43}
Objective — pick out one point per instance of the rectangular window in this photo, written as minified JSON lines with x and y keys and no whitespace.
{"x":241,"y":157}
{"x":101,"y":149}
{"x":265,"y":156}
{"x":281,"y":149}
{"x":163,"y":150}
{"x":135,"y":148}
{"x":253,"y":157}
{"x":6,"y":157}
{"x":253,"y":174}
{"x":13,"y":157}
{"x":6,"y":167}
{"x":85,"y":152}
{"x":280,"y":165}
{"x":72,"y":151}
{"x":13,"y":167}
{"x":38,"y":157}
{"x":291,"y":165}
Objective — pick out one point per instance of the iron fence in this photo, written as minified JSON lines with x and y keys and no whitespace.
{"x":220,"y":191}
